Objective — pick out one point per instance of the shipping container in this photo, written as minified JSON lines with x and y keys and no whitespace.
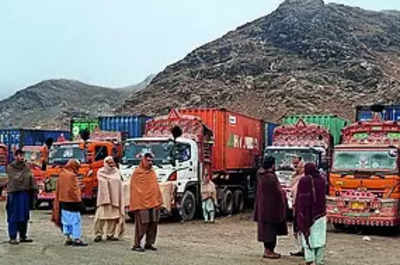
{"x":131,"y":126}
{"x":79,"y":124}
{"x":389,"y":113}
{"x":333,"y":123}
{"x":238,"y":139}
{"x":18,"y":138}
{"x":269,"y":132}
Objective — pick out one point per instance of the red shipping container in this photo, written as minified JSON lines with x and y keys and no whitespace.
{"x":238,"y":139}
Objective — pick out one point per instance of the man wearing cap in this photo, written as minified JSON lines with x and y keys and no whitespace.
{"x":145,"y":203}
{"x":21,"y":187}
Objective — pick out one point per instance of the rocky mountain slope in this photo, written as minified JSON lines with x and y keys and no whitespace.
{"x":305,"y":57}
{"x":51,"y":104}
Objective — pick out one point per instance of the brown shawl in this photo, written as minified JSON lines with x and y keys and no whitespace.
{"x":20,"y":177}
{"x":145,"y":191}
{"x":67,"y":189}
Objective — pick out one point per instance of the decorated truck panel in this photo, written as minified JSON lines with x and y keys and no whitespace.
{"x":364,"y":180}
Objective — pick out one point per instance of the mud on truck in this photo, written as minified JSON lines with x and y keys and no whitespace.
{"x":311,"y":142}
{"x":214,"y":142}
{"x":365,"y":177}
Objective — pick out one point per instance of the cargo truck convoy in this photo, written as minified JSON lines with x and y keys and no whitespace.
{"x":365,"y":177}
{"x":215,"y":143}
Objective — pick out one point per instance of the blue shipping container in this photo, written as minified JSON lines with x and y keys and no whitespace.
{"x":269,"y":132}
{"x":132,"y":126}
{"x":389,"y":113}
{"x":18,"y":138}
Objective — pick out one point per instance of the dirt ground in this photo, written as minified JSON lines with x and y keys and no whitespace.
{"x":232,"y":240}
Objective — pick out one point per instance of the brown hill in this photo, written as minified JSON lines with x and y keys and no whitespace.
{"x":305,"y":57}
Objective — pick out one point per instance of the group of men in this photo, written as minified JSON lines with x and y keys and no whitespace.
{"x":309,"y":210}
{"x":145,"y":202}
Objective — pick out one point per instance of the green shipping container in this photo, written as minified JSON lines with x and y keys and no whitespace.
{"x":79,"y":124}
{"x":333,"y":123}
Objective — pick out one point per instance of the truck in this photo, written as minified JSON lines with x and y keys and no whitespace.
{"x":18,"y":138}
{"x":365,"y":179}
{"x":3,"y":167}
{"x":386,"y":112}
{"x":311,"y":142}
{"x":215,"y":143}
{"x":91,"y":154}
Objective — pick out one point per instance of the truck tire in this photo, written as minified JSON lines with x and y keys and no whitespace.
{"x":37,"y":204}
{"x":188,"y":206}
{"x":227,"y":203}
{"x":238,"y":201}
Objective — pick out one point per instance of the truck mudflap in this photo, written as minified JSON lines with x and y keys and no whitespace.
{"x":362,"y":208}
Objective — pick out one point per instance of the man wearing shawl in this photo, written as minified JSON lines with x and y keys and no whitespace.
{"x":209,"y":199}
{"x":21,"y":187}
{"x":298,"y":165}
{"x":270,"y":208}
{"x":145,"y":203}
{"x":311,"y":214}
{"x":68,"y":204}
{"x":110,"y":202}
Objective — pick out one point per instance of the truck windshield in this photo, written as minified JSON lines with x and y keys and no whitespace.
{"x":60,"y":154}
{"x":162,"y":151}
{"x":365,"y":160}
{"x":283,"y":157}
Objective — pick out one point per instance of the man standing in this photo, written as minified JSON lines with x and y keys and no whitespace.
{"x":270,"y":208}
{"x":145,"y":203}
{"x":298,"y":165}
{"x":21,"y":187}
{"x":44,"y":153}
{"x":68,"y":204}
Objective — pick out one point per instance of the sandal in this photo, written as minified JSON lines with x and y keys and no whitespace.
{"x":112,"y":238}
{"x":272,"y":256}
{"x":97,"y":239}
{"x":79,"y":243}
{"x":13,"y":242}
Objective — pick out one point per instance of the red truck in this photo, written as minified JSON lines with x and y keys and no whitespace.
{"x":215,"y":142}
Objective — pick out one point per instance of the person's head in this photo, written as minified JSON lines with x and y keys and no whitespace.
{"x":49,"y":142}
{"x":109,"y":162}
{"x":269,"y":162}
{"x":19,"y":155}
{"x":296,"y":160}
{"x":73,"y":165}
{"x":148,"y":160}
{"x":311,"y":170}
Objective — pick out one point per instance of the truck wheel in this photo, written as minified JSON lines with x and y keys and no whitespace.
{"x":227,"y":203}
{"x":188,"y":210}
{"x":37,"y":204}
{"x":238,"y":199}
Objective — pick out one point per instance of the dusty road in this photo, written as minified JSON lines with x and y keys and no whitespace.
{"x":230,"y":241}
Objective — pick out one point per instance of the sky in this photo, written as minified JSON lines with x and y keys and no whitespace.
{"x":116,"y":43}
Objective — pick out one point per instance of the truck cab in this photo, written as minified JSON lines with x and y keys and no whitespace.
{"x":365,"y":178}
{"x":91,"y":155}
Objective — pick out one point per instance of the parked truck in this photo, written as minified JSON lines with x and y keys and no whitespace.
{"x":18,"y":138}
{"x":3,"y":167}
{"x":365,"y":178}
{"x":217,"y":143}
{"x":91,"y":154}
{"x":311,"y":142}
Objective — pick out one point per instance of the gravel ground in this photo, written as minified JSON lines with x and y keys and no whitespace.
{"x":231,"y":240}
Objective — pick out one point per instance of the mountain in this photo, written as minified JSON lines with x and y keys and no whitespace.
{"x":139,"y":86}
{"x":305,"y":57}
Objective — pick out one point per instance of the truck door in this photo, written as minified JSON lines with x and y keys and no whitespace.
{"x":186,"y":163}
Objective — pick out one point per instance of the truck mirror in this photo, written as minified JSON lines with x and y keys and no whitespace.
{"x":176,"y":132}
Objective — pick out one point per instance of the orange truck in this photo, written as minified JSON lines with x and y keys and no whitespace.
{"x":365,"y":177}
{"x":90,"y":153}
{"x":3,"y":167}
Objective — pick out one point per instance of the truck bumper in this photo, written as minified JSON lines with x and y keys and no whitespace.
{"x":363,"y":211}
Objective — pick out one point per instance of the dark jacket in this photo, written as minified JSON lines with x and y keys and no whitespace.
{"x":20,"y":178}
{"x":270,"y":205}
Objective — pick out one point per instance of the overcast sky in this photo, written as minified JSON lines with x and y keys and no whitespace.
{"x":116,"y":43}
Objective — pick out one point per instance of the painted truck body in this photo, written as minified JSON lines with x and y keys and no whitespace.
{"x":215,"y":142}
{"x":312,"y":142}
{"x":18,"y":138}
{"x":364,"y":179}
{"x":90,"y":153}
